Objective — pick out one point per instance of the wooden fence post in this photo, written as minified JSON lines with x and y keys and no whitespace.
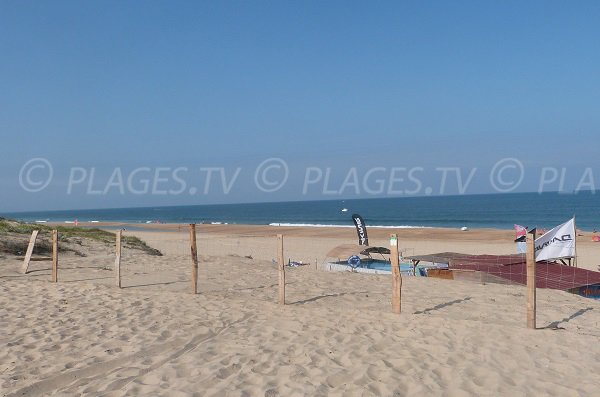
{"x":281,"y":268}
{"x":29,"y":252}
{"x":396,"y":276}
{"x":194,"y":251}
{"x":118,"y":258}
{"x":54,"y":256}
{"x":531,"y":293}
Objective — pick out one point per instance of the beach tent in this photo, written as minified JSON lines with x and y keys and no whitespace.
{"x":348,"y":250}
{"x":376,"y":250}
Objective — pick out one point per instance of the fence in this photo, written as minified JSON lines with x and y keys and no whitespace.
{"x":196,"y":264}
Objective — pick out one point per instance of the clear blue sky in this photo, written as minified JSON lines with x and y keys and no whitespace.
{"x":330,"y":84}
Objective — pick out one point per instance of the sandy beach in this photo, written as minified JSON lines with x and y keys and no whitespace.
{"x":299,"y":198}
{"x":336,"y":336}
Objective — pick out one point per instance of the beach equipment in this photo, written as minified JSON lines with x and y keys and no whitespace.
{"x":354,"y":261}
{"x":382,"y":251}
{"x":376,"y":250}
{"x":521,"y":239}
{"x":520,"y":233}
{"x":348,"y":250}
{"x":344,"y":258}
{"x":512,"y":269}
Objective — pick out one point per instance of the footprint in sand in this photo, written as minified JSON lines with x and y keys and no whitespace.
{"x":226,"y":372}
{"x":164,"y":335}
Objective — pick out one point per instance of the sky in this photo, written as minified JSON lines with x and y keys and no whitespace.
{"x":133,"y":103}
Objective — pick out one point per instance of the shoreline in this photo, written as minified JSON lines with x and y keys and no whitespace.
{"x":169,"y":225}
{"x":165,"y":226}
{"x":300,"y":229}
{"x":377,"y":230}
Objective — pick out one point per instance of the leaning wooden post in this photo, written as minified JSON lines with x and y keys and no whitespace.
{"x":281,"y":267}
{"x":118,"y":258}
{"x":531,"y":298}
{"x":54,"y":256}
{"x":396,"y":276}
{"x":194,"y":250}
{"x":29,"y":252}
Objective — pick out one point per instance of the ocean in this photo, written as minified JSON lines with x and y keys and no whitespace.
{"x":499,"y":211}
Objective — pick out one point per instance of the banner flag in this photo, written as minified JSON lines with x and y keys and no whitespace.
{"x":361,"y":229}
{"x":520,"y":233}
{"x":557,"y":243}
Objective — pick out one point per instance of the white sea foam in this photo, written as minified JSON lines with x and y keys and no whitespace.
{"x":350,"y":226}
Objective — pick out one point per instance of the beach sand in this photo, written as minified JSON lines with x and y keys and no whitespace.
{"x":336,"y":336}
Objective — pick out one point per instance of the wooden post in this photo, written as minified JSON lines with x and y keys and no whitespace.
{"x":29,"y":252}
{"x":396,"y":276}
{"x":531,"y":298}
{"x":54,"y":256}
{"x":194,"y":250}
{"x":118,"y":258}
{"x":281,"y":268}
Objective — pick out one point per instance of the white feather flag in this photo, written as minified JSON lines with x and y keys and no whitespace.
{"x":557,"y":243}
